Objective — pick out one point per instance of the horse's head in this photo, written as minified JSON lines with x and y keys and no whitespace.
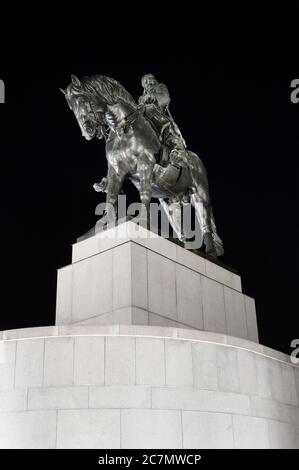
{"x":98,"y":101}
{"x":88,"y":108}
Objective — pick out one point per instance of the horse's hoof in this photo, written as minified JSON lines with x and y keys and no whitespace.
{"x":103,"y":224}
{"x":97,"y":187}
{"x":211,"y":254}
{"x":209,"y":245}
{"x":100,"y":227}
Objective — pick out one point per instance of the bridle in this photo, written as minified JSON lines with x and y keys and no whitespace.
{"x":103,"y":128}
{"x":102,"y":131}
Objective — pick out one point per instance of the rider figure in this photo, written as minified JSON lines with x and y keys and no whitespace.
{"x":155,"y":101}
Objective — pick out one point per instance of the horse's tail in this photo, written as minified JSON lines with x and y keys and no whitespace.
{"x":216,"y":239}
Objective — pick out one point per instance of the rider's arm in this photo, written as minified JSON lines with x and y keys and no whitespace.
{"x":162,"y":95}
{"x":141,"y":99}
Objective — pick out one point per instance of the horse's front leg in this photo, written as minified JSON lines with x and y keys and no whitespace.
{"x":145,"y":171}
{"x":114,"y":185}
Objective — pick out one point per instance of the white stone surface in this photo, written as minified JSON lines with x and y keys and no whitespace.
{"x":128,"y":386}
{"x":292,"y":416}
{"x":139,"y":316}
{"x":147,"y":331}
{"x":120,"y":360}
{"x":296,"y":373}
{"x":270,"y":409}
{"x":213,"y":306}
{"x":49,"y":398}
{"x":130,"y":232}
{"x":59,"y":361}
{"x":122,"y":315}
{"x":120,"y":396}
{"x":64,"y":295}
{"x":189,"y":297}
{"x":150,"y":361}
{"x":154,"y":429}
{"x":7,"y":366}
{"x":29,"y":363}
{"x":235,"y":313}
{"x":97,"y":320}
{"x":13,"y":400}
{"x":275,"y":372}
{"x":247,"y":372}
{"x":250,"y":345}
{"x":88,"y":429}
{"x":89,"y":360}
{"x":223,"y":276}
{"x":132,"y":276}
{"x":189,"y":259}
{"x":178,"y":357}
{"x":289,"y":385}
{"x":161,"y":286}
{"x":227,"y":367}
{"x":263,"y":377}
{"x":30,"y":333}
{"x":92,"y":286}
{"x":122,"y":276}
{"x":86,"y":248}
{"x":236,"y":282}
{"x":250,"y":433}
{"x":200,"y":400}
{"x":204,"y":366}
{"x":204,"y":336}
{"x":28,"y":430}
{"x":282,"y":435}
{"x":139,"y":277}
{"x":160,"y":246}
{"x":251,"y":319}
{"x":198,"y":428}
{"x":158,"y":320}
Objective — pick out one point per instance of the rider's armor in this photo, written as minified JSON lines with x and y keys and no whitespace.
{"x":155,"y":102}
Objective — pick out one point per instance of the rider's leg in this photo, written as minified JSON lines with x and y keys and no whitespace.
{"x":168,"y":174}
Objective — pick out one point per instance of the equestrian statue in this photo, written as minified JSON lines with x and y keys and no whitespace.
{"x":144,"y":145}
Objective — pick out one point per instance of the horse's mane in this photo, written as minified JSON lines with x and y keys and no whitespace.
{"x":108,"y":88}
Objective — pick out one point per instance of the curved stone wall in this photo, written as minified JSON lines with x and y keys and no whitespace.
{"x":126,"y":386}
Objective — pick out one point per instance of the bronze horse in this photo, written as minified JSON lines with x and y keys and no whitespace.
{"x":103,"y":108}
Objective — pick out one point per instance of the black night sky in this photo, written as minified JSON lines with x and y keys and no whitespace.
{"x":246,"y":130}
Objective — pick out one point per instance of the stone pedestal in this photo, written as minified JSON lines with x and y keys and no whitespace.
{"x":154,"y":347}
{"x":129,"y":275}
{"x":130,"y":386}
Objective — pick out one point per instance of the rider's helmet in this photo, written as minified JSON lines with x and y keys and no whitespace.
{"x":148,"y":80}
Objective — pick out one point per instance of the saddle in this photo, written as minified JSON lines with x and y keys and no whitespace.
{"x":160,"y":123}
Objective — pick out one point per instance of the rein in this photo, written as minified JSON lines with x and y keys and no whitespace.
{"x":129,"y":120}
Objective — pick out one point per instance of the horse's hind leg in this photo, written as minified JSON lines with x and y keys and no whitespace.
{"x":202,"y":206}
{"x":174,"y":213}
